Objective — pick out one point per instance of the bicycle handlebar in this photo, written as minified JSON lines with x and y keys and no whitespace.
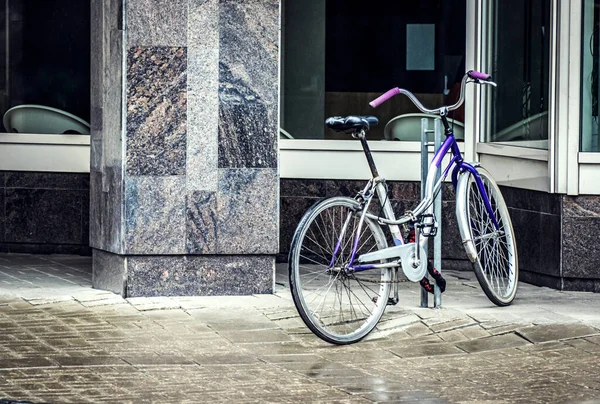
{"x":475,"y":76}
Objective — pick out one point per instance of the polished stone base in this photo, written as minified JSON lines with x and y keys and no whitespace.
{"x":556,"y":234}
{"x":183,"y":275}
{"x":44,"y":212}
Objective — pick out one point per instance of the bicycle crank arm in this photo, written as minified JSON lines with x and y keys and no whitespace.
{"x":414,"y":269}
{"x":386,"y":253}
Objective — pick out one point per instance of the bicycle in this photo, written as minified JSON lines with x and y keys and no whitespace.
{"x":341,"y":268}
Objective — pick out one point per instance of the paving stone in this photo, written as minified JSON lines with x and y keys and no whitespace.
{"x":474,"y":332}
{"x":556,"y":332}
{"x":256,"y":349}
{"x":492,"y":343}
{"x":427,"y":350}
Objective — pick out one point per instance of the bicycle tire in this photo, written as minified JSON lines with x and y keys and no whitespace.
{"x":493,"y":253}
{"x":339,"y":308}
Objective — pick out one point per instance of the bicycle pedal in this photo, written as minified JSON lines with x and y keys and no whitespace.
{"x":391,"y":301}
{"x":428,"y":225}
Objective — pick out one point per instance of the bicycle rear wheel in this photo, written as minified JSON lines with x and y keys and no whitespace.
{"x":496,"y":263}
{"x":339,"y":307}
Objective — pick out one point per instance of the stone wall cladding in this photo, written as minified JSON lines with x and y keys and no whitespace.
{"x":199,"y":275}
{"x":197,"y":143}
{"x":297,"y":195}
{"x":580,"y":245}
{"x":44,"y":212}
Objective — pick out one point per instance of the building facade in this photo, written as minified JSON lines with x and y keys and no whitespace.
{"x":184,"y":184}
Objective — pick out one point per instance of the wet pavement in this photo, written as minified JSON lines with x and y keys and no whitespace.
{"x":63,"y":342}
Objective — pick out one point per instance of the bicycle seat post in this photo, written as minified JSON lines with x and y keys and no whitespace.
{"x":362,"y":135}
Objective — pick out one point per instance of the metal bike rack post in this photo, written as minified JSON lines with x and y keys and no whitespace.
{"x":437,"y":203}
{"x":437,"y":211}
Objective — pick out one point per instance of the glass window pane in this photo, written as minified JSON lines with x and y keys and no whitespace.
{"x":589,"y":76}
{"x":340,"y":54}
{"x":45,"y":66}
{"x":521,"y":67}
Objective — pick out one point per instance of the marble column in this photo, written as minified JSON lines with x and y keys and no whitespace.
{"x":184,"y":184}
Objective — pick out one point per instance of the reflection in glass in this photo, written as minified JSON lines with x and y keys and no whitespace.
{"x":45,"y":68}
{"x":521,"y":67}
{"x":340,"y":54}
{"x":589,"y":76}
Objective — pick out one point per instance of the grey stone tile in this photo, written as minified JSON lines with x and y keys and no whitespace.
{"x":201,"y":235}
{"x":43,"y":216}
{"x":49,"y":180}
{"x":108,"y":272}
{"x":343,"y":187}
{"x":247,"y":133}
{"x":199,"y":275}
{"x":538,"y":238}
{"x":247,"y":211}
{"x":291,"y":212}
{"x":427,"y":350}
{"x":248,"y":83}
{"x":97,"y":58}
{"x":555,"y":332}
{"x":155,"y":218}
{"x":532,"y":200}
{"x":234,"y":275}
{"x":106,"y":210}
{"x":492,"y":343}
{"x":581,"y":206}
{"x":2,"y":215}
{"x":580,"y":248}
{"x":157,"y":22}
{"x":404,"y":190}
{"x":302,"y":188}
{"x":203,"y":90}
{"x":161,"y":276}
{"x":156,"y":111}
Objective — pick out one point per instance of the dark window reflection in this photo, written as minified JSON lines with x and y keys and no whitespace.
{"x":338,"y":55}
{"x":589,"y":76}
{"x":521,"y":66}
{"x":45,"y":55}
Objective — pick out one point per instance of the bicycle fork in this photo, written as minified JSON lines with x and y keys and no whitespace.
{"x":462,"y":200}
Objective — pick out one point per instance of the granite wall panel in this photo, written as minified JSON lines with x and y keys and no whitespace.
{"x":201,"y":225}
{"x":581,"y":250}
{"x":157,"y":22}
{"x":156,"y":111}
{"x":108,"y":272}
{"x":155,"y":215}
{"x":248,"y":83}
{"x":161,"y":276}
{"x":203,"y":101}
{"x":44,"y":212}
{"x":199,"y":275}
{"x":43,"y":216}
{"x":106,"y":210}
{"x":247,"y":212}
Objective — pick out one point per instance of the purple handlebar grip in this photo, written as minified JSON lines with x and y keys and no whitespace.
{"x":478,"y":75}
{"x":384,"y":97}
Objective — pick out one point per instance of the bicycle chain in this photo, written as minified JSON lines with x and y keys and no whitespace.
{"x":370,"y":281}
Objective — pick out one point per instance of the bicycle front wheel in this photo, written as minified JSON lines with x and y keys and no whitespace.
{"x":338,"y":306}
{"x":496,"y":261}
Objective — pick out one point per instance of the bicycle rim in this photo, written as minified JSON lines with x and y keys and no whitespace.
{"x":338,"y":307}
{"x":496,"y":266}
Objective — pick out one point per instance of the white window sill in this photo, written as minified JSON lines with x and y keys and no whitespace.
{"x":44,"y":152}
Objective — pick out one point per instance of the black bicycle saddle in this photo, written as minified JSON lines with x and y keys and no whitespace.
{"x":351,"y":124}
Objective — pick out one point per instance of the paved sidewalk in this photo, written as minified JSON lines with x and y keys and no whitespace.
{"x":63,"y":342}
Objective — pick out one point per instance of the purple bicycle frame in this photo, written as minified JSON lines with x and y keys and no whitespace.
{"x":459,"y":165}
